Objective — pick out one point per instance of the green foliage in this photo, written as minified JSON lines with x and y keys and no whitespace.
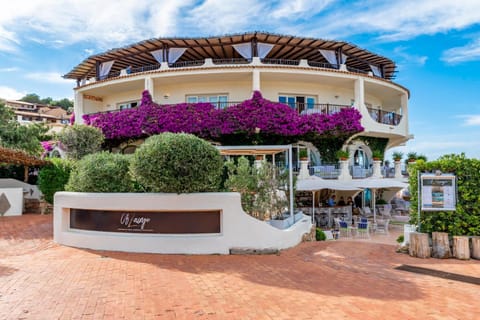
{"x":64,"y":103}
{"x":397,"y":155}
{"x":31,"y":97}
{"x":377,"y":154}
{"x":400,"y":238}
{"x":54,"y":177}
{"x":177,"y":163}
{"x":375,"y":144}
{"x":380,"y":201}
{"x":259,"y":188}
{"x":23,"y":137}
{"x":303,"y":153}
{"x":328,"y":146}
{"x":80,"y":140}
{"x":320,"y":235}
{"x":465,"y":220}
{"x":412,"y":156}
{"x":342,"y":154}
{"x":101,"y":172}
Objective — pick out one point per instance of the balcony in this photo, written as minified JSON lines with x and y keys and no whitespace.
{"x":301,"y":108}
{"x":228,"y":61}
{"x":385,"y":117}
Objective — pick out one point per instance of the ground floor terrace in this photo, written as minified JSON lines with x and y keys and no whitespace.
{"x":343,"y":279}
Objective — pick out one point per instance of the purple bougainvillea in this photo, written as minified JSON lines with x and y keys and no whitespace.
{"x":251,"y":117}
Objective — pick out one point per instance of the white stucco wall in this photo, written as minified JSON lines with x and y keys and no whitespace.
{"x":238,"y":230}
{"x":15,"y":198}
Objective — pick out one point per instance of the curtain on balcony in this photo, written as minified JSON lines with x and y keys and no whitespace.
{"x":376,"y":70}
{"x":174,"y":54}
{"x":344,"y":58}
{"x":105,"y":68}
{"x":244,"y":49}
{"x":330,"y":55}
{"x":158,"y":55}
{"x":264,"y":49}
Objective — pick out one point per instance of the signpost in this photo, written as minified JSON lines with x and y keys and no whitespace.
{"x":436,"y":192}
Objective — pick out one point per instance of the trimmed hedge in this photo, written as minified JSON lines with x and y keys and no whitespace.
{"x":465,"y":220}
{"x":54,"y":177}
{"x":80,"y":140}
{"x":101,"y":172}
{"x":177,"y":163}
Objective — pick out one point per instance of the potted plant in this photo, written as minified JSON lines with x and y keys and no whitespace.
{"x":342,"y":155}
{"x":303,"y":154}
{"x":377,"y":155}
{"x":397,"y":156}
{"x":412,"y":156}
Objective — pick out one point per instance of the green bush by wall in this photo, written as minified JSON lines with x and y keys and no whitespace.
{"x":466,"y":219}
{"x":101,"y":172}
{"x":54,"y":177}
{"x":80,"y":140}
{"x":177,"y":163}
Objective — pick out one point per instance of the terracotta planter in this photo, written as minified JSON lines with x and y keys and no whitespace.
{"x":304,"y":159}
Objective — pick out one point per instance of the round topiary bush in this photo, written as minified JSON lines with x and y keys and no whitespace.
{"x":80,"y":140}
{"x":177,"y":163}
{"x":320,"y":235}
{"x":101,"y":172}
{"x":54,"y":177}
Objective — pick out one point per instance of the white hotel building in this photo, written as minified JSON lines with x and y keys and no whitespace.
{"x":310,"y":75}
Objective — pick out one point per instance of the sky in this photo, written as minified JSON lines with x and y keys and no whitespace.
{"x":435,"y":43}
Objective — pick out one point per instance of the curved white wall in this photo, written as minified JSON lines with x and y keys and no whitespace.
{"x":237,"y":229}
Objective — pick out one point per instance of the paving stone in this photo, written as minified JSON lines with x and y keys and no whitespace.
{"x":344,"y":279}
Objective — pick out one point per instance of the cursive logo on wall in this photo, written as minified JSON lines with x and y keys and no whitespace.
{"x":131,"y":221}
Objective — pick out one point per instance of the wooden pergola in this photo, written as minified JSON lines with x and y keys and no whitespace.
{"x":17,"y":157}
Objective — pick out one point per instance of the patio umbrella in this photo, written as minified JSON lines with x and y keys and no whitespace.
{"x":314,"y":184}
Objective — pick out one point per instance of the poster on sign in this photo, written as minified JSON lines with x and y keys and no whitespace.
{"x":438,"y":192}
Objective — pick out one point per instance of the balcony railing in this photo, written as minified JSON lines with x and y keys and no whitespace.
{"x":197,"y":63}
{"x":327,"y":170}
{"x":281,"y":61}
{"x":301,"y":108}
{"x":385,"y":117}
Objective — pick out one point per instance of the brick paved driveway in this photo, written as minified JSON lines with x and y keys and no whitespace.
{"x":325,"y":280}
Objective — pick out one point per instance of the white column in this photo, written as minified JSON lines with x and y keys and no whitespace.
{"x":359,"y":91}
{"x":256,"y":80}
{"x":149,"y":86}
{"x":398,"y":170}
{"x":377,"y":172}
{"x":78,"y":107}
{"x":303,"y":174}
{"x":344,"y":173}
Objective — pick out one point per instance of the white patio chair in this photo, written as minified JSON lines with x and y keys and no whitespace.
{"x":382,"y":226}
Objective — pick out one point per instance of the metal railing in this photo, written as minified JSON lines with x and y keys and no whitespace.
{"x":323,"y":65}
{"x":385,"y":117}
{"x":231,"y":61}
{"x":301,"y":108}
{"x":223,"y":61}
{"x":281,"y":61}
{"x":327,"y":170}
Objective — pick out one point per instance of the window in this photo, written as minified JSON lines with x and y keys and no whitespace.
{"x":127,"y":105}
{"x":218,"y":100}
{"x":302,"y":103}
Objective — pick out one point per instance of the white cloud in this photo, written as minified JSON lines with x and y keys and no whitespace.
{"x":51,"y":77}
{"x":408,"y":57}
{"x":10,"y":93}
{"x":468,"y":52}
{"x":471,"y":120}
{"x":400,"y":20}
{"x":9,"y":69}
{"x":293,"y":9}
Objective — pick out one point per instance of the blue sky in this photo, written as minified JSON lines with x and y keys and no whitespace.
{"x":435,"y":43}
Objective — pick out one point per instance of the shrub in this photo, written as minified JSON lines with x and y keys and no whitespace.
{"x":177,"y":163}
{"x":465,"y":220}
{"x":342,"y":154}
{"x":320,"y":235}
{"x":397,"y":155}
{"x":54,"y":177}
{"x":80,"y":140}
{"x":101,"y":172}
{"x":400,"y":238}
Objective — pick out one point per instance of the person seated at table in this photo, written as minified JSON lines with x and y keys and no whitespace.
{"x":350,"y":202}
{"x":331,"y":201}
{"x":341,"y":202}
